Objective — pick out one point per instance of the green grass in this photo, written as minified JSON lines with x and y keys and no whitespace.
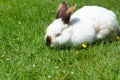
{"x":24,"y":55}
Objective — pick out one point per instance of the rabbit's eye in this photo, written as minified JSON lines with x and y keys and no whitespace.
{"x":57,"y":35}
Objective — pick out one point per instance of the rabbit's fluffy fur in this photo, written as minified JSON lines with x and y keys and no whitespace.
{"x":86,"y":25}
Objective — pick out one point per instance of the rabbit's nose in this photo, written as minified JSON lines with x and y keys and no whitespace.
{"x":48,"y":40}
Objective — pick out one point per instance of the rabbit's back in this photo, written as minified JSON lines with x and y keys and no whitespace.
{"x":93,"y":13}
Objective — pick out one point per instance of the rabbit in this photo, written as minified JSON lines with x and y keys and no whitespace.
{"x":87,"y":25}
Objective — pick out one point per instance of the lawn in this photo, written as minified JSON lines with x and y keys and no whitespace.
{"x":24,"y":55}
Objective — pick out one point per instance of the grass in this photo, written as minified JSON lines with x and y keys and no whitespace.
{"x":24,"y":55}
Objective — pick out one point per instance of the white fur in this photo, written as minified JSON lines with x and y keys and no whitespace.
{"x":82,"y":27}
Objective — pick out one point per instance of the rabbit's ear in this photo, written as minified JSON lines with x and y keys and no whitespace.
{"x":67,"y":14}
{"x":62,"y":8}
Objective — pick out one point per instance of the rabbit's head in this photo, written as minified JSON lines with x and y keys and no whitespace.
{"x":61,"y":22}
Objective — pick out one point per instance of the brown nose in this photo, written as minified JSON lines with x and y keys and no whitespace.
{"x":48,"y":40}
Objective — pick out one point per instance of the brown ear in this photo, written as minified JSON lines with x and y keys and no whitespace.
{"x":67,"y":14}
{"x":62,"y":8}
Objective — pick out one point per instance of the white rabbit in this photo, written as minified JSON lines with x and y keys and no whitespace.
{"x":86,"y":25}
